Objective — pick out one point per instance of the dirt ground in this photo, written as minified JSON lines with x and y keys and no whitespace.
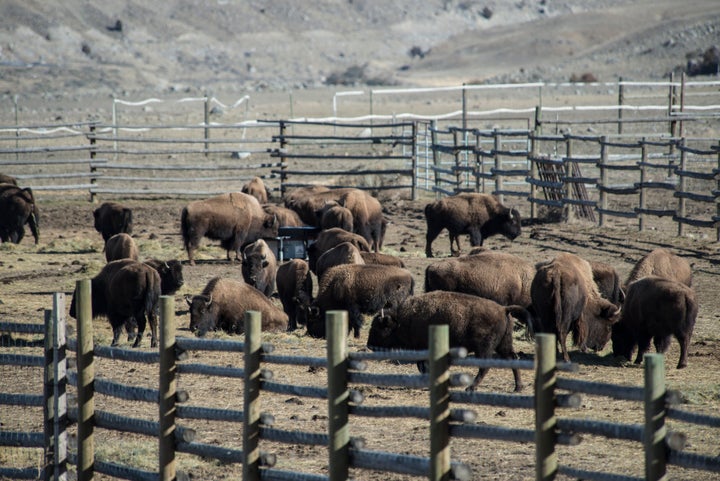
{"x":70,"y":250}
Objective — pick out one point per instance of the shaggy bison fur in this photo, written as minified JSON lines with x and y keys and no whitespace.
{"x":112,"y":218}
{"x":343,"y":253}
{"x":295,"y":289}
{"x":663,"y":263}
{"x":565,"y":299}
{"x":359,"y":289}
{"x":121,"y":246}
{"x":478,"y":215}
{"x":328,"y":239}
{"x":235,"y":219}
{"x":256,"y":188}
{"x":17,"y":208}
{"x":286,"y":217}
{"x":480,"y":325}
{"x":222,"y":305}
{"x":259,"y":267}
{"x":656,"y":308}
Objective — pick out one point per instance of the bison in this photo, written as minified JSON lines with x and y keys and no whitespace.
{"x":295,"y":289}
{"x":566,"y":299}
{"x":359,"y":289}
{"x":504,"y":278}
{"x":328,"y":239}
{"x":171,"y":275}
{"x":480,"y":325}
{"x":259,"y":267}
{"x":121,"y":246}
{"x":17,"y":208}
{"x":256,"y":188}
{"x":381,"y":258}
{"x":335,"y":215}
{"x":112,"y":218}
{"x":8,"y":179}
{"x":343,"y":253}
{"x":126,"y":292}
{"x":235,"y":219}
{"x":663,"y":263}
{"x":478,"y":215}
{"x":223,"y":303}
{"x":286,"y":217}
{"x":655,"y":308}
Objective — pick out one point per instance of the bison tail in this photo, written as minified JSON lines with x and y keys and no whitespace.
{"x":185,"y":227}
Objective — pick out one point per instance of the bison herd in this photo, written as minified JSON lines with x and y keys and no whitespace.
{"x":480,"y":295}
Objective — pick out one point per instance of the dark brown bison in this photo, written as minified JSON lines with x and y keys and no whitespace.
{"x":295,"y":289}
{"x":127,"y":293}
{"x":480,"y":325}
{"x":235,"y":219}
{"x":17,"y":208}
{"x":607,"y":279}
{"x":655,"y":308}
{"x":663,"y":263}
{"x":121,"y":246}
{"x":256,"y":188}
{"x":8,"y":179}
{"x":368,"y":219}
{"x":223,"y":303}
{"x":259,"y":267}
{"x":112,"y":218}
{"x":565,"y":299}
{"x":504,"y":278}
{"x":171,"y":275}
{"x":327,"y":239}
{"x":343,"y":253}
{"x":359,"y":289}
{"x":286,"y":217}
{"x":478,"y":215}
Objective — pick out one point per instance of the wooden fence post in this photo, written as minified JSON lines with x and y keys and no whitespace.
{"x":498,"y":166}
{"x":603,"y":179}
{"x":458,"y":170}
{"x":336,"y":327}
{"x":283,"y":160}
{"x":413,"y":191}
{"x":206,"y":117}
{"x":436,"y":155}
{"x":655,"y":430}
{"x":568,"y":186}
{"x":168,"y":388}
{"x":621,"y":100}
{"x":643,"y":179}
{"x":439,"y":402}
{"x":534,"y":174}
{"x":56,"y":417}
{"x":85,"y":383}
{"x":681,"y":185}
{"x":93,"y":169}
{"x":717,"y":204}
{"x":546,"y":465}
{"x":251,"y":403}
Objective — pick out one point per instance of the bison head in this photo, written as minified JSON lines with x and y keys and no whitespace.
{"x":203,"y":314}
{"x":511,"y":224}
{"x":623,"y":341}
{"x":314,"y":321}
{"x":171,"y":276}
{"x":383,"y":332}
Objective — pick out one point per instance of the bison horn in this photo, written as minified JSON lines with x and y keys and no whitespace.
{"x":188,"y":299}
{"x":207,"y":304}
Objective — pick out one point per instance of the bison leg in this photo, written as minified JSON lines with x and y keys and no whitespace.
{"x":684,"y":345}
{"x":662,"y":343}
{"x":562,"y":339}
{"x":432,"y":233}
{"x":356,"y":321}
{"x":141,"y":323}
{"x":33,"y":223}
{"x":152,"y":319}
{"x":478,"y":379}
{"x":116,"y":335}
{"x":643,"y":347}
{"x":454,"y":239}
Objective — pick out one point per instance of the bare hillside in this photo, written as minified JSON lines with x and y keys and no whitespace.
{"x":50,"y":47}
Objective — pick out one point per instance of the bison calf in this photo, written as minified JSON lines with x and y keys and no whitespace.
{"x":121,"y":246}
{"x":259,"y":267}
{"x":655,"y":309}
{"x":478,"y":215}
{"x":17,"y":208}
{"x":223,"y":303}
{"x":480,"y":325}
{"x":359,"y":289}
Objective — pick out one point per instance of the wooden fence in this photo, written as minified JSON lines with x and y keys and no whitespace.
{"x":552,"y":393}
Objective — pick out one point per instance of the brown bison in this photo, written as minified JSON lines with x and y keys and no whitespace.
{"x":259,"y":267}
{"x":504,"y":278}
{"x":235,"y":219}
{"x":607,"y":279}
{"x":478,"y":215}
{"x":655,"y":309}
{"x":335,"y":215}
{"x":17,"y":208}
{"x":295,"y":289}
{"x":662,"y":263}
{"x":127,"y":293}
{"x":480,"y":325}
{"x":223,"y":303}
{"x":256,"y":188}
{"x":359,"y":289}
{"x":381,"y":258}
{"x":565,"y":299}
{"x":286,"y":217}
{"x":112,"y":218}
{"x":121,"y":246}
{"x":327,"y":239}
{"x":343,"y":253}
{"x":368,"y":219}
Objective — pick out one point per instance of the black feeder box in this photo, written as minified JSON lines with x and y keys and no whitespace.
{"x":292,"y":242}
